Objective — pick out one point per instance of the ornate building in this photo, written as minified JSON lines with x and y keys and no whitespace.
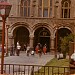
{"x":38,"y":21}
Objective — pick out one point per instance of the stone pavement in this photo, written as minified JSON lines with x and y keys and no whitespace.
{"x":28,"y":60}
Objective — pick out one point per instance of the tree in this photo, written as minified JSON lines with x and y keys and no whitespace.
{"x":64,"y":45}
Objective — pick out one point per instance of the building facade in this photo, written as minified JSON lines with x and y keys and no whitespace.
{"x":39,"y":21}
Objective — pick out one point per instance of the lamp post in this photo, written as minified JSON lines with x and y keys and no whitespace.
{"x":4,"y":13}
{"x":7,"y":26}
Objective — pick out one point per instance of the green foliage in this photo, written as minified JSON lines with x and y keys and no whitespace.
{"x":64,"y":46}
{"x":54,"y":62}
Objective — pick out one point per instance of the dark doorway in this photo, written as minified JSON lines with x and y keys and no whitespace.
{"x":45,"y":40}
{"x":42,"y":36}
{"x":21,"y":34}
{"x":62,"y":32}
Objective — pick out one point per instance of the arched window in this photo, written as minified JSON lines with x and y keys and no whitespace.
{"x":45,"y":8}
{"x":25,"y":8}
{"x":66,"y":9}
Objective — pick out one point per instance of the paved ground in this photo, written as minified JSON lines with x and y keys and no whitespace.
{"x":24,"y":59}
{"x":27,"y":60}
{"x":31,"y":60}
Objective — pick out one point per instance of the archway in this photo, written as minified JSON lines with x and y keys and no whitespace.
{"x":21,"y":34}
{"x":42,"y":36}
{"x":62,"y":32}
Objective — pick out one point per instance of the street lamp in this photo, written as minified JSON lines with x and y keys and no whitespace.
{"x":4,"y":13}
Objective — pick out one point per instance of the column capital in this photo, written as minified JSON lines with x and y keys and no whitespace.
{"x":52,"y":37}
{"x":52,"y":43}
{"x":10,"y":36}
{"x":31,"y":40}
{"x":31,"y":35}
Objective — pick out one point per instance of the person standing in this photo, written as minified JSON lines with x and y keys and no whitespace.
{"x":40,"y":50}
{"x":24,"y":47}
{"x":18,"y":49}
{"x":37,"y":48}
{"x":28,"y":50}
{"x":73,"y":58}
{"x":44,"y":49}
{"x":11,"y":50}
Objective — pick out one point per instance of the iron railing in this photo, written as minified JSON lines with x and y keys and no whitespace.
{"x":20,"y":69}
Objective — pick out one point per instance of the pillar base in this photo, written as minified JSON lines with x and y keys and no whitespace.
{"x":52,"y":51}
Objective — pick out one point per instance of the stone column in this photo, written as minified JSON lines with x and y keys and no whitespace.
{"x":31,"y":41}
{"x":36,"y":8}
{"x":56,"y":11}
{"x":52,"y":44}
{"x":10,"y":40}
{"x":72,"y":11}
{"x":31,"y":7}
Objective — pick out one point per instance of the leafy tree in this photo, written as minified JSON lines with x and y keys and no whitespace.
{"x":64,"y":45}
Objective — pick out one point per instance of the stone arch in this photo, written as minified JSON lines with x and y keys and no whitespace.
{"x":65,"y":0}
{"x":17,"y":27}
{"x":42,"y":35}
{"x":60,"y":32}
{"x":18,"y":24}
{"x":59,"y":27}
{"x":38,"y":25}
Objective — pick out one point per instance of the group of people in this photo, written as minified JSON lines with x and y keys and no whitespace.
{"x":27,"y":49}
{"x":14,"y":49}
{"x":39,"y":49}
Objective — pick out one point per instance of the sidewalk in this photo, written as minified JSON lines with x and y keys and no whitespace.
{"x":31,"y":60}
{"x":27,"y":60}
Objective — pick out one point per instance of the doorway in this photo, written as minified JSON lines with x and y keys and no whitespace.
{"x":21,"y":35}
{"x":42,"y":36}
{"x":45,"y":40}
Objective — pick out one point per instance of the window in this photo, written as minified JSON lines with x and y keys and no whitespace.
{"x":66,"y":9}
{"x":45,"y":13}
{"x":40,"y":12}
{"x":45,"y":8}
{"x":25,"y":8}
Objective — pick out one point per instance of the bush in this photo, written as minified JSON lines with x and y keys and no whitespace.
{"x":64,"y":45}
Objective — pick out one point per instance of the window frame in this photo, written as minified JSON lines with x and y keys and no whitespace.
{"x":22,"y":8}
{"x":64,"y":8}
{"x":42,"y":7}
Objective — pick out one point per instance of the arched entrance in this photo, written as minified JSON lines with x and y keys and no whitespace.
{"x":62,"y":32}
{"x":21,"y":34}
{"x":42,"y":36}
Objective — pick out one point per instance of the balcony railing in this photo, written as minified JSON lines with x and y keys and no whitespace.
{"x":20,"y":69}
